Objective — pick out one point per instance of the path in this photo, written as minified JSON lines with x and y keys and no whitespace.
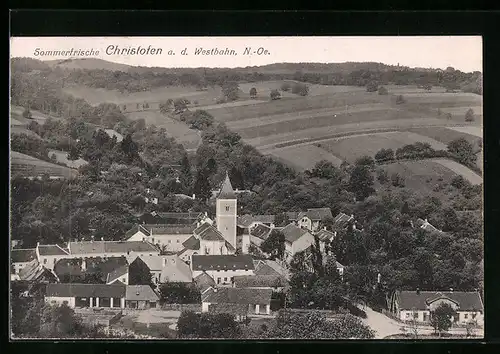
{"x":381,"y":324}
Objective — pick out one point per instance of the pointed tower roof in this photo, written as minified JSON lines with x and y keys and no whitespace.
{"x":226,"y":189}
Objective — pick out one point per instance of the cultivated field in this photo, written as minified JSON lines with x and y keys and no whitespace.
{"x":264,"y":88}
{"x":447,"y":134}
{"x":459,"y":169}
{"x":62,"y":157}
{"x":177,"y":129}
{"x":304,"y":157}
{"x":351,"y":148}
{"x":470,"y":130}
{"x":16,"y":116}
{"x":28,"y":166}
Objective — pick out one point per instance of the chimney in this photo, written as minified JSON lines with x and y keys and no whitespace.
{"x":418,"y":291}
{"x":102,"y":238}
{"x":451,"y":290}
{"x":37,"y":244}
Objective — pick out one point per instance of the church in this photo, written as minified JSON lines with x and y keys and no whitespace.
{"x":202,"y":237}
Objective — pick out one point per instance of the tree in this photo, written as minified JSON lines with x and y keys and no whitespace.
{"x":207,"y":325}
{"x":372,"y":86}
{"x":275,"y":95}
{"x":397,"y":180}
{"x":365,"y":161}
{"x":179,"y":293}
{"x":285,"y":86}
{"x":382,"y":91}
{"x":230,"y":90}
{"x":326,"y":169}
{"x":469,"y":115}
{"x":449,"y":116}
{"x":253,"y":93}
{"x":274,"y":245}
{"x":427,"y":87}
{"x":384,"y":155}
{"x":139,"y":273}
{"x":180,"y":105}
{"x":59,"y":321}
{"x":27,"y":113}
{"x":300,"y":89}
{"x":463,"y":150}
{"x":129,"y":148}
{"x":400,"y":99}
{"x":441,"y":318}
{"x":361,"y":182}
{"x":73,"y":153}
{"x":202,"y":188}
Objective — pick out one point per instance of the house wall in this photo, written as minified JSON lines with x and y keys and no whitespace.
{"x":467,"y":316}
{"x":50,"y":261}
{"x":305,"y":222}
{"x":256,"y":240}
{"x":186,"y":256}
{"x":302,"y":243}
{"x":226,"y":219}
{"x":213,"y":247}
{"x":408,"y":315}
{"x":434,"y":305}
{"x":60,"y":300}
{"x":245,"y":243}
{"x":204,"y":306}
{"x":18,"y":266}
{"x":221,"y":274}
{"x":171,"y":242}
{"x":138,"y":236}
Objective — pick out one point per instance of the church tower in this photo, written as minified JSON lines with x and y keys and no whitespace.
{"x":226,"y":212}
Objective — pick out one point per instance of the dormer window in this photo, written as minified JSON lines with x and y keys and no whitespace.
{"x":227,"y":208}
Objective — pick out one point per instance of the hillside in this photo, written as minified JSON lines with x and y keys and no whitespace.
{"x":88,"y":64}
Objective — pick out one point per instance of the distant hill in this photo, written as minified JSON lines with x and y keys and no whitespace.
{"x":88,"y":63}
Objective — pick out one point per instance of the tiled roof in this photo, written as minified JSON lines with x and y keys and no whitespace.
{"x":259,"y":281}
{"x":106,"y":247}
{"x":117,"y":273}
{"x":177,"y":271}
{"x":34,"y":271}
{"x":247,"y":220}
{"x":226,"y":190}
{"x":261,"y":231}
{"x":210,"y":262}
{"x":292,"y":215}
{"x":318,"y":214}
{"x":268,"y":267}
{"x":293,"y":233}
{"x":51,"y":250}
{"x":204,"y":281}
{"x":467,"y":301}
{"x":192,"y":243}
{"x":154,"y":262}
{"x":171,"y":229}
{"x":22,"y":255}
{"x":245,"y":296}
{"x":341,"y":220}
{"x":140,"y":293}
{"x":208,"y":232}
{"x":325,"y":235}
{"x":235,"y":309}
{"x":102,"y":266}
{"x":135,"y":229}
{"x":85,"y":290}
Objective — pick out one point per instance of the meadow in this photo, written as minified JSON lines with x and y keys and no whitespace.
{"x":28,"y":166}
{"x":305,"y":157}
{"x":62,"y":157}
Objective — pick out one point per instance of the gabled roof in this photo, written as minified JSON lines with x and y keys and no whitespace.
{"x":269,"y":267}
{"x":293,"y":233}
{"x":226,"y":189}
{"x":425,"y":225}
{"x":140,"y":293}
{"x":318,"y":214}
{"x":341,"y":220}
{"x":106,"y":247}
{"x":467,"y":301}
{"x":170,"y":229}
{"x":22,"y":255}
{"x":135,"y":229}
{"x":292,"y":215}
{"x":259,"y":281}
{"x":247,"y":220}
{"x":204,"y":281}
{"x":85,"y":290}
{"x":214,"y":262}
{"x":102,"y":266}
{"x":245,"y":296}
{"x":261,"y":231}
{"x":176,"y":270}
{"x":117,"y":274}
{"x":51,"y":250}
{"x":325,"y":235}
{"x":192,"y":243}
{"x":36,"y":272}
{"x":208,"y":232}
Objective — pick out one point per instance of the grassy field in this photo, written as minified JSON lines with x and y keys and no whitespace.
{"x":16,"y":114}
{"x":62,"y":157}
{"x":16,"y":129}
{"x":29,"y":166}
{"x":459,"y":169}
{"x":352,"y":147}
{"x":177,"y":129}
{"x":304,"y":157}
{"x":426,"y":176}
{"x":447,"y":134}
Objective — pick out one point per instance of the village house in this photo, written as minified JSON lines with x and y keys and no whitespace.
{"x":250,"y":221}
{"x":76,"y":270}
{"x":325,"y":238}
{"x":296,"y":239}
{"x":101,"y":295}
{"x":312,"y":218}
{"x":259,"y":234}
{"x":165,"y":268}
{"x":48,"y":255}
{"x":167,"y":237}
{"x":248,"y":301}
{"x":20,"y":258}
{"x":418,"y":305}
{"x":119,"y":275}
{"x":222,"y":268}
{"x":270,"y":267}
{"x":170,"y":218}
{"x":273,"y":282}
{"x":34,"y":272}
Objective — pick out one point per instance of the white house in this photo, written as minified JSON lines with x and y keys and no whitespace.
{"x":312,"y":218}
{"x":296,"y":239}
{"x":247,"y":300}
{"x":418,"y":305}
{"x":222,"y":268}
{"x":165,"y":268}
{"x":249,"y":221}
{"x":169,"y":237}
{"x":86,"y":295}
{"x":259,"y":234}
{"x":20,"y":258}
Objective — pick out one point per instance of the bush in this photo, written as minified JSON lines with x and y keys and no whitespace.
{"x":300,"y":89}
{"x":400,"y":99}
{"x":275,"y":95}
{"x":286,"y":86}
{"x":382,"y":91}
{"x":372,"y":86}
{"x":27,"y":113}
{"x":469,"y":115}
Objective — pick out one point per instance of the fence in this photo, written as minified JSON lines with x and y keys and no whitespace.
{"x":181,"y":307}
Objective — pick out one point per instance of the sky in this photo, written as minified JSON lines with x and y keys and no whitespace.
{"x":461,"y":52}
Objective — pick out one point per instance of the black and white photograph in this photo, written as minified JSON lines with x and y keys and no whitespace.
{"x":246,"y":188}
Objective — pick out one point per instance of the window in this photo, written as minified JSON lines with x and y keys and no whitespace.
{"x":65,"y":302}
{"x":225,"y":279}
{"x":45,"y":261}
{"x":169,"y":241}
{"x":177,"y":240}
{"x":218,"y":280}
{"x":55,"y":259}
{"x":466,"y":316}
{"x":407,"y":315}
{"x":473,"y":316}
{"x":227,"y":208}
{"x":415,"y":315}
{"x":123,"y":280}
{"x":226,"y":227}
